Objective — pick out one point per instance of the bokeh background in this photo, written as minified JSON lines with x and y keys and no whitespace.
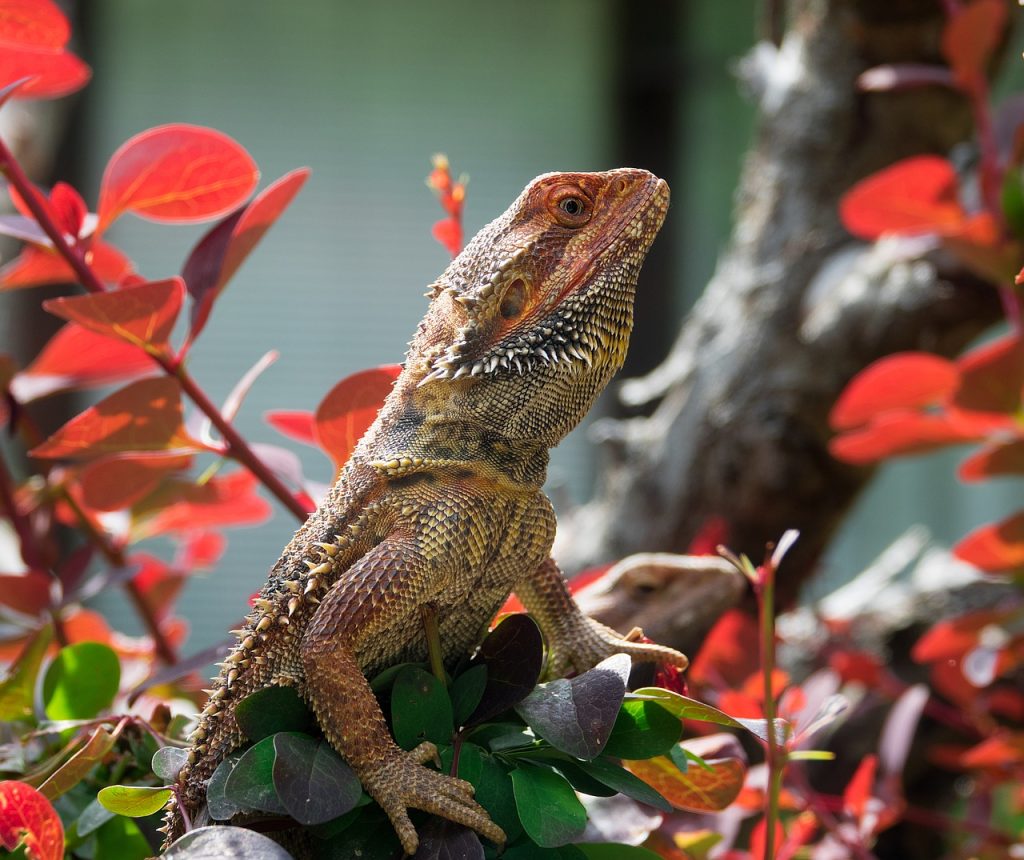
{"x":364,"y":94}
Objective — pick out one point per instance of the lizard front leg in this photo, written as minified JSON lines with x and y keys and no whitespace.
{"x":386,"y":585}
{"x":576,"y":642}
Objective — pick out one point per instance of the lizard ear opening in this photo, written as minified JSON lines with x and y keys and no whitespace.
{"x":513,"y":302}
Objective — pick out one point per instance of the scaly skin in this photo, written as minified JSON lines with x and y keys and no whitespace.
{"x":440,"y":507}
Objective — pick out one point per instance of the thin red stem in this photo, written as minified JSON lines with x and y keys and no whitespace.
{"x":764,"y":590}
{"x":115,"y":556}
{"x":237,"y":447}
{"x":44,"y":218}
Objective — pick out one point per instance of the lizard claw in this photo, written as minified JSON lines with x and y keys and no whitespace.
{"x":592,"y":642}
{"x":402,"y":783}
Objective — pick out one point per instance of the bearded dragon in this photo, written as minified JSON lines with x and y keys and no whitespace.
{"x":440,"y":507}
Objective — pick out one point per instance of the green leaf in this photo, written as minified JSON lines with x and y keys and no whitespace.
{"x":121,"y":838}
{"x":251,"y":782}
{"x":576,"y":715}
{"x":551,"y":813}
{"x":643,"y":730}
{"x":94,"y":816}
{"x":374,"y":839}
{"x":616,"y":851}
{"x":579,"y":779}
{"x":624,"y":782}
{"x":382,"y":681}
{"x":220,"y":842}
{"x":271,"y":710}
{"x":81,"y":681}
{"x":134,"y":801}
{"x":445,"y":840}
{"x":221,"y":807}
{"x":686,"y":708}
{"x":311,"y":780}
{"x":514,"y":655}
{"x":167,"y":761}
{"x":493,"y":786}
{"x":1013,"y":200}
{"x":466,"y":692}
{"x":811,"y":755}
{"x":18,"y":687}
{"x":420,"y":709}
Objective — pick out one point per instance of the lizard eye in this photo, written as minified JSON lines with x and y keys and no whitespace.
{"x":514,"y":300}
{"x":569,"y":206}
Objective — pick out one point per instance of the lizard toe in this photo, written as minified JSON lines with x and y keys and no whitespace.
{"x":402,"y":783}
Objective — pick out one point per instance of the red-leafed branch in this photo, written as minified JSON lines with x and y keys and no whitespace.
{"x":237,"y":447}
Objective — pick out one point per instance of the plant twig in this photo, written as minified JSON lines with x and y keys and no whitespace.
{"x":238,"y":448}
{"x":764,"y":591}
{"x":115,"y":556}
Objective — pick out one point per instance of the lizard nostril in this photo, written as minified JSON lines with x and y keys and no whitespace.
{"x":620,"y":186}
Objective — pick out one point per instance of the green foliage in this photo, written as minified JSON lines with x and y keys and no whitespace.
{"x":81,"y":681}
{"x":526,"y":763}
{"x":133,"y":801}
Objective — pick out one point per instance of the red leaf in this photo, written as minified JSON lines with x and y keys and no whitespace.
{"x":996,"y":547}
{"x":970,"y":37}
{"x":183,"y":506}
{"x":729,"y":653}
{"x":349,"y":409}
{"x":121,"y":480}
{"x":158,"y":584}
{"x":28,"y":593}
{"x":901,"y":432}
{"x":1001,"y":751}
{"x":861,"y":786}
{"x":144,"y":416}
{"x":69,"y":208}
{"x":78,"y":358}
{"x":299,"y":424}
{"x":33,"y":23}
{"x":35,"y":267}
{"x":180,"y":173}
{"x":143,"y":315}
{"x":698,"y":789}
{"x":991,"y":378}
{"x":904,"y":380}
{"x":53,"y":73}
{"x":199,"y":550}
{"x":916,"y":195}
{"x":713,"y":533}
{"x":449,"y":233}
{"x":224,"y":248}
{"x":1000,"y":458}
{"x":857,"y":666}
{"x":27,"y":817}
{"x":954,"y":637}
{"x":759,"y":836}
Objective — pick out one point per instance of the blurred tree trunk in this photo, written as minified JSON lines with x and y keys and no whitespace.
{"x":734,"y":420}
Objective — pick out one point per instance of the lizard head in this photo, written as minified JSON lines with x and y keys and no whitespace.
{"x":532,"y":319}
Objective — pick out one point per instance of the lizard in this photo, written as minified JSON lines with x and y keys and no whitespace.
{"x":440,"y":507}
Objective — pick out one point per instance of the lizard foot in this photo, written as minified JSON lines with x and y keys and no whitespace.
{"x":592,"y":642}
{"x":402,"y":783}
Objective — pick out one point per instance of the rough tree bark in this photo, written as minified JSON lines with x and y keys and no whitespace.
{"x":735,"y":417}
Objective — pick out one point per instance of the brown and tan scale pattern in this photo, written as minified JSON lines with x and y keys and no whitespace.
{"x":441,"y":505}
